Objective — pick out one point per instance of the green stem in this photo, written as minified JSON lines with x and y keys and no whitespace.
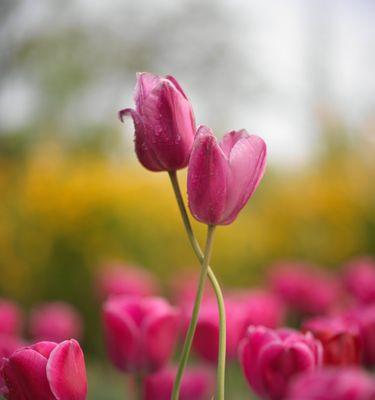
{"x":194,"y":316}
{"x":220,"y":391}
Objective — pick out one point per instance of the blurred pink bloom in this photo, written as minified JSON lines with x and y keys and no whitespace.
{"x":271,"y":360}
{"x":197,"y":384}
{"x":11,"y":318}
{"x":364,"y":317}
{"x":117,"y":279}
{"x":163,"y":121}
{"x":56,"y":321}
{"x":339,"y":337}
{"x":206,"y":338}
{"x":359,"y":279}
{"x":261,"y":308}
{"x":333,"y":384}
{"x":140,"y":332}
{"x":46,"y":371}
{"x":8,"y":345}
{"x":304,"y":288}
{"x":222,"y":176}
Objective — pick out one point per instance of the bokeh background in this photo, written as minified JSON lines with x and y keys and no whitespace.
{"x":299,"y":73}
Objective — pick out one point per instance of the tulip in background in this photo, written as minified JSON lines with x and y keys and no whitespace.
{"x":222,"y":176}
{"x":140,"y":333}
{"x":164,"y":123}
{"x":46,"y":371}
{"x":197,"y":384}
{"x":55,"y":322}
{"x":271,"y":359}
{"x":333,"y":384}
{"x":11,"y":318}
{"x":118,"y":279}
{"x":359,"y":278}
{"x":339,"y":337}
{"x":304,"y":288}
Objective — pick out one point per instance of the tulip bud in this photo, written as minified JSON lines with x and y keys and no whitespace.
{"x":117,"y":279}
{"x":55,"y":322}
{"x":197,"y":384}
{"x":10,"y":318}
{"x":333,"y":384}
{"x":339,"y":337}
{"x":271,"y":359}
{"x":140,"y":332}
{"x":46,"y":371}
{"x":222,"y":176}
{"x":359,"y":278}
{"x":164,"y":123}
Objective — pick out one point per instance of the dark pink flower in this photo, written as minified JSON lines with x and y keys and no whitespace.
{"x":11,"y":318}
{"x":206,"y":339}
{"x":359,"y":278}
{"x":333,"y":384}
{"x":164,"y":123}
{"x":197,"y":384}
{"x":46,"y":371}
{"x":56,"y":321}
{"x":272,"y":359}
{"x":339,"y":337}
{"x":118,"y":279}
{"x":140,"y":332}
{"x":222,"y":176}
{"x":304,"y":288}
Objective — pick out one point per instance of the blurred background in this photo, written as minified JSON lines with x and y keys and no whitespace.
{"x":299,"y":73}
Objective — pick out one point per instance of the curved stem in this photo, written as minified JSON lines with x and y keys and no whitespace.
{"x":194,"y":316}
{"x":214,"y":282}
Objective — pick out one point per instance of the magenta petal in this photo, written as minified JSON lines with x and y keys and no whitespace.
{"x":25,"y":376}
{"x":146,"y":82}
{"x":207,"y":178}
{"x":44,"y":348}
{"x":66,"y":371}
{"x":160,"y":337}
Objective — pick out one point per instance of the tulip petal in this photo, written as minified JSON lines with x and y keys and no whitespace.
{"x":207,"y":178}
{"x":66,"y":371}
{"x":44,"y":348}
{"x":25,"y":376}
{"x":146,"y":82}
{"x":160,"y":332}
{"x":247,"y":162}
{"x":121,"y":335}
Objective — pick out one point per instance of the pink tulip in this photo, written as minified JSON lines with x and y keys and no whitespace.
{"x":304,"y":288}
{"x":117,"y":279}
{"x":164,"y":123}
{"x":333,"y":384}
{"x":206,"y":339}
{"x":271,"y":359}
{"x":222,"y":176}
{"x":46,"y":371}
{"x":55,"y":322}
{"x":364,"y":317}
{"x":140,"y":332}
{"x":11,"y":318}
{"x":197,"y":384}
{"x":359,"y":278}
{"x":339,"y":337}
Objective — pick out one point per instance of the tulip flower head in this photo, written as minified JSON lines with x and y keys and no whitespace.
{"x":271,"y":359}
{"x":333,"y":384}
{"x":55,"y":322}
{"x":163,"y":121}
{"x":46,"y":371}
{"x":11,"y":318}
{"x":117,"y":279}
{"x":339,"y":337}
{"x":140,"y":332}
{"x":222,"y":176}
{"x":197,"y":384}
